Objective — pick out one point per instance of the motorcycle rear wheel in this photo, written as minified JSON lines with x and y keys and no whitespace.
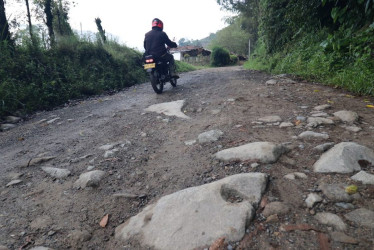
{"x":173,"y":82}
{"x":157,"y":85}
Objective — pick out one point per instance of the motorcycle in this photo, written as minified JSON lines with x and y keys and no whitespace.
{"x":159,"y":73}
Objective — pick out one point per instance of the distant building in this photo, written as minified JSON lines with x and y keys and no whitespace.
{"x":191,"y":54}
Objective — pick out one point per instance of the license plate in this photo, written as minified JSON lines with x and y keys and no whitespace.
{"x":150,"y":66}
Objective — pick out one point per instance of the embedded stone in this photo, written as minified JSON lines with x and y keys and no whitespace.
{"x":264,"y":152}
{"x":197,"y":216}
{"x":344,"y":158}
{"x":346,"y":116}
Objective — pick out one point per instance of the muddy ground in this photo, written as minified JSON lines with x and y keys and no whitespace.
{"x":45,"y":211}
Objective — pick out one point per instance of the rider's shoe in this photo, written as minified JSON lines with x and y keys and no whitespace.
{"x":174,"y":76}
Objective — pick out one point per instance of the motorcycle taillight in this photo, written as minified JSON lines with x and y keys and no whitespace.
{"x":149,"y":60}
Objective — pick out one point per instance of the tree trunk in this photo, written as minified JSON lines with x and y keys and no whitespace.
{"x":4,"y":26}
{"x":49,"y":21}
{"x":29,"y":19}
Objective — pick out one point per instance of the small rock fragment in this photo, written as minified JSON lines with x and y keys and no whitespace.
{"x":271,"y":82}
{"x":336,"y":192}
{"x":344,"y":205}
{"x":76,"y":238}
{"x":276,"y":207}
{"x":322,"y":107}
{"x":309,"y":135}
{"x":39,"y":160}
{"x":320,"y":114}
{"x":362,"y":216}
{"x":53,"y":120}
{"x":190,"y":142}
{"x":290,"y":176}
{"x":41,"y":222}
{"x":57,"y":172}
{"x":210,"y":136}
{"x":324,"y":147}
{"x":316,"y":121}
{"x":14,"y":182}
{"x":89,"y":179}
{"x":286,"y":125}
{"x":107,"y":147}
{"x":364,"y":177}
{"x":346,"y":116}
{"x":270,"y":119}
{"x":272,"y":218}
{"x":312,"y":199}
{"x":331,"y":220}
{"x":5,"y":127}
{"x":12,"y":119}
{"x":354,"y":129}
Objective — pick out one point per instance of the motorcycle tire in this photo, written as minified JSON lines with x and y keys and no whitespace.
{"x":157,"y":85}
{"x":173,"y":82}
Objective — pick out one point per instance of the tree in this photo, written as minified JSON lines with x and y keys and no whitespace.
{"x":249,"y":12}
{"x":233,"y":37}
{"x":49,"y":21}
{"x":100,"y":28}
{"x":61,"y":20}
{"x":4,"y":26}
{"x":29,"y":19}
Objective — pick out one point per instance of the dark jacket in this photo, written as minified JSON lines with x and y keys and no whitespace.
{"x":154,"y":42}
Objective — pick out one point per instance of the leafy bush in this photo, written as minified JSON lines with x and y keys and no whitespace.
{"x":233,"y":59}
{"x":312,"y":60}
{"x":219,"y":57}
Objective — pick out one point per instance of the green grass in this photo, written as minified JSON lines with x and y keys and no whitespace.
{"x":308,"y":59}
{"x":184,"y":67}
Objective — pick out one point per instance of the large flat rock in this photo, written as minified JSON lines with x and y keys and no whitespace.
{"x":344,"y":158}
{"x":265,"y":152}
{"x":197,"y":216}
{"x":169,"y":109}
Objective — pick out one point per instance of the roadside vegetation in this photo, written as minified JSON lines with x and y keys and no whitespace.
{"x":34,"y":78}
{"x":322,"y":40}
{"x":47,"y":65}
{"x":184,"y":67}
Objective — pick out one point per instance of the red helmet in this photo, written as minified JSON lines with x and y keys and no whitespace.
{"x":157,"y":23}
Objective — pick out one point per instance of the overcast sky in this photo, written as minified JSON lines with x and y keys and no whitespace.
{"x":130,"y":20}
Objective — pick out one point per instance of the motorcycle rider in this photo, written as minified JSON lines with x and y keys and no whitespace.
{"x":154,"y":44}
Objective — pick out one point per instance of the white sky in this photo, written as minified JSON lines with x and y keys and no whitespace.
{"x":129,"y":20}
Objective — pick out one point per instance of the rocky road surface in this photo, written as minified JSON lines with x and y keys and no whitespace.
{"x":229,"y":159}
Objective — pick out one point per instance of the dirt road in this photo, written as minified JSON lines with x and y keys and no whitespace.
{"x":148,"y":155}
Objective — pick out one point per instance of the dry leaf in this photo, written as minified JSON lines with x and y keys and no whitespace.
{"x":104,"y":221}
{"x":264,"y":202}
{"x":323,"y":241}
{"x":349,"y":96}
{"x":297,"y":122}
{"x":219,"y":244}
{"x":352,"y":189}
{"x":316,"y":90}
{"x":330,"y":101}
{"x":370,"y":106}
